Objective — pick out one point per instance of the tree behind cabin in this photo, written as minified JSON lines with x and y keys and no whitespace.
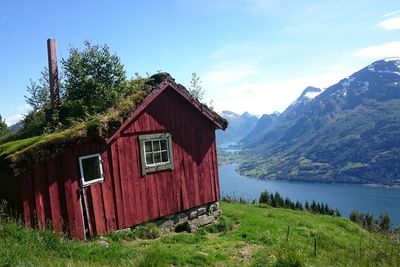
{"x":3,"y":128}
{"x":38,"y":93}
{"x":94,"y":79}
{"x":195,"y":88}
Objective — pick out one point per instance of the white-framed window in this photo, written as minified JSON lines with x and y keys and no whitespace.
{"x":91,"y":169}
{"x":156,"y":152}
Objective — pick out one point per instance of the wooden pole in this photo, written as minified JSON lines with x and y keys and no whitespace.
{"x":53,"y":73}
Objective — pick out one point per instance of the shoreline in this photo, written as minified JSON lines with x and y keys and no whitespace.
{"x":372,"y":185}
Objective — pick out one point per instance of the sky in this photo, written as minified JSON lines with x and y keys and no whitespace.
{"x":251,"y":55}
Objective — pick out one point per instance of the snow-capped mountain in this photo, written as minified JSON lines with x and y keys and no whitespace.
{"x":239,"y":126}
{"x":347,"y":133}
{"x":16,"y":126}
{"x":229,"y":114}
{"x":307,"y":95}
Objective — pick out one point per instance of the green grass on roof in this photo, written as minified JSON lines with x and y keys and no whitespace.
{"x":11,"y":147}
{"x":22,"y":153}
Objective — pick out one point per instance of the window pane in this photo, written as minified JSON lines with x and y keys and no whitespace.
{"x":164,"y":156}
{"x":157,"y":157}
{"x":163,"y":144}
{"x":149,"y":158}
{"x":156,"y":145}
{"x":147,"y":146}
{"x":155,"y":152}
{"x":91,"y":168}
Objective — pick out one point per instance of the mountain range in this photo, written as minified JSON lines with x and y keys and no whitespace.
{"x":239,"y":126}
{"x":15,"y":127}
{"x":347,"y":133}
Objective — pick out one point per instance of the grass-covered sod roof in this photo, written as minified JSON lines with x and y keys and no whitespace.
{"x":22,"y":153}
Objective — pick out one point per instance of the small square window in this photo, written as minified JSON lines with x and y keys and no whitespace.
{"x":156,"y":152}
{"x":91,"y":169}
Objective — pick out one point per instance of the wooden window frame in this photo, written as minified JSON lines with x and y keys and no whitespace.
{"x":98,"y":180}
{"x":157,"y":166}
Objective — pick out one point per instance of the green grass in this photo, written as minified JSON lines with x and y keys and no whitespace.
{"x":248,"y":235}
{"x":20,"y":154}
{"x":24,"y":150}
{"x":11,"y":147}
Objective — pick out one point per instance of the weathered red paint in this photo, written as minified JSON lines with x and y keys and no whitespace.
{"x":52,"y":165}
{"x":51,"y":191}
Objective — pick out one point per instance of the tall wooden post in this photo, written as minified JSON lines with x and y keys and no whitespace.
{"x":53,"y":73}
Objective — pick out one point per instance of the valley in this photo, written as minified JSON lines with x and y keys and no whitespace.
{"x":347,"y":133}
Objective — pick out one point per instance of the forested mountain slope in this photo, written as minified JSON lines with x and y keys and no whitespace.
{"x":350,"y":132}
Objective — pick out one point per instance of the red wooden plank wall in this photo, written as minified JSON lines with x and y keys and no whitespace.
{"x":194,"y":180}
{"x":51,"y":192}
{"x":51,"y":195}
{"x":44,"y":193}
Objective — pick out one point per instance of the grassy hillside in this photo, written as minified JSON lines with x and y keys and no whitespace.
{"x":247,"y":235}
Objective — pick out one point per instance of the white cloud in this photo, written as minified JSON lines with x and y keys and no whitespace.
{"x":391,"y":13}
{"x":269,"y":95}
{"x":233,"y":64}
{"x":17,"y":114}
{"x":246,"y":83}
{"x":391,"y":49}
{"x":13,"y":119}
{"x":230,"y":72}
{"x":390,"y":24}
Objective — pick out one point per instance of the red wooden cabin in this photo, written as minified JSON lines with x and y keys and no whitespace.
{"x":159,"y":161}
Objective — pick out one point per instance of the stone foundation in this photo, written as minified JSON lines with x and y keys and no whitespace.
{"x":191,"y":219}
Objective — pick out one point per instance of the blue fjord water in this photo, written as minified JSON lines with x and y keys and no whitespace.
{"x":344,"y":197}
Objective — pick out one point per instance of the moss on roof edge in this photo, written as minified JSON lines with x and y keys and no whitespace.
{"x":21,"y":154}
